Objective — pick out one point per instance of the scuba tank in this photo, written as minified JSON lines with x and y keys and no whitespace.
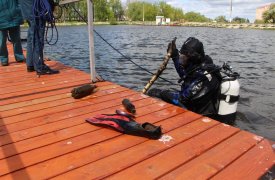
{"x":229,"y":95}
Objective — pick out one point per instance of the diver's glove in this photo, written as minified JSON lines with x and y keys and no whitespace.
{"x":124,"y":123}
{"x":174,"y":50}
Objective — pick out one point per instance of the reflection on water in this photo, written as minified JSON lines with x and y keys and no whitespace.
{"x":250,"y":52}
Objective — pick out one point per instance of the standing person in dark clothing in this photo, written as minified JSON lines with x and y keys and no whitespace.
{"x":200,"y":80}
{"x":10,"y":20}
{"x":36,"y":12}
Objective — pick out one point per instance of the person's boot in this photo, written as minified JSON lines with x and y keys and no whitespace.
{"x":5,"y":63}
{"x":21,"y":60}
{"x":46,"y":71}
{"x":30,"y":69}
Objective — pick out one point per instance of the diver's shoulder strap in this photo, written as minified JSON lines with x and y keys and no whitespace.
{"x":229,"y":98}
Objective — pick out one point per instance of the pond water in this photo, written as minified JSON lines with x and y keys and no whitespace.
{"x":249,"y":52}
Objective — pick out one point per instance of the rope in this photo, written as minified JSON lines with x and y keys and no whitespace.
{"x":144,"y":69}
{"x":42,"y":11}
{"x":52,"y":27}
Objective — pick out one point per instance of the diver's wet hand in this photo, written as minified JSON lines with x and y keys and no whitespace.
{"x":173,"y":50}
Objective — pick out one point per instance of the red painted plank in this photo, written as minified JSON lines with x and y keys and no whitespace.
{"x":54,"y":150}
{"x":22,"y":71}
{"x":43,"y":134}
{"x":49,"y":98}
{"x":48,"y":93}
{"x":118,"y":161}
{"x":40,"y":90}
{"x":60,"y":100}
{"x":22,"y":67}
{"x":61,"y":122}
{"x":31,"y":82}
{"x":216,"y":158}
{"x":56,"y":121}
{"x":11,"y":71}
{"x":17,"y":124}
{"x":92,"y":153}
{"x":10,"y":76}
{"x":80,"y":128}
{"x":252,"y":165}
{"x":32,"y":78}
{"x":156,"y":166}
{"x":41,"y":85}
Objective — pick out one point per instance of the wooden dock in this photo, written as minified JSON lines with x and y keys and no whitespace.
{"x":43,"y":134}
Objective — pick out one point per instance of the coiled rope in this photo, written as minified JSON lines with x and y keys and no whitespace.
{"x":42,"y":12}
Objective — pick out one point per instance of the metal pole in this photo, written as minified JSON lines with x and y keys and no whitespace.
{"x":230,"y":18}
{"x":143,"y":11}
{"x":91,"y":39}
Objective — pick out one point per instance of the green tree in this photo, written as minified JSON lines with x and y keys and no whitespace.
{"x":116,"y":9}
{"x":239,"y":20}
{"x":177,"y":15}
{"x":135,"y":11}
{"x":83,"y":9}
{"x":68,"y":11}
{"x":269,"y":15}
{"x":102,"y":10}
{"x":195,"y":17}
{"x":168,"y":11}
{"x":150,"y":11}
{"x":221,"y":19}
{"x":165,"y":10}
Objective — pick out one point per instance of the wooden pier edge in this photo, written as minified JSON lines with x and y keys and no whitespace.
{"x":43,"y":134}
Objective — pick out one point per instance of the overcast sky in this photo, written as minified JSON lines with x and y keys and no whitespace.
{"x":214,"y":8}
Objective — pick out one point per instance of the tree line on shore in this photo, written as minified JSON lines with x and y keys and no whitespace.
{"x":113,"y":10}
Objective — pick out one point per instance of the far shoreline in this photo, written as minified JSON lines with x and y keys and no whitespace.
{"x":177,"y":24}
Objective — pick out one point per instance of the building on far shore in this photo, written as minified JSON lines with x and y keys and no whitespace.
{"x":261,"y":10}
{"x":161,"y":20}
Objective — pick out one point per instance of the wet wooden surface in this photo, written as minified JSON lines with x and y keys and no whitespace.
{"x":43,"y":134}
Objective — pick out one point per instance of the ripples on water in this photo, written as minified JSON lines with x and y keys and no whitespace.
{"x":250,"y":52}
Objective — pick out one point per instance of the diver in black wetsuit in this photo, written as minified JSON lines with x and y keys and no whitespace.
{"x":200,"y":80}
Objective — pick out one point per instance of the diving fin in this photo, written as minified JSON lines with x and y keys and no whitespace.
{"x":124,"y":123}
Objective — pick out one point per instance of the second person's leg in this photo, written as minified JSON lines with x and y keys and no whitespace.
{"x":3,"y":47}
{"x":30,"y":47}
{"x":14,"y":33}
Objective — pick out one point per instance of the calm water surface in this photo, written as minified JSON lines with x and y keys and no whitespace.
{"x":250,"y":52}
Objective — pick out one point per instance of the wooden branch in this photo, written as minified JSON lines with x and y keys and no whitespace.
{"x":161,"y":69}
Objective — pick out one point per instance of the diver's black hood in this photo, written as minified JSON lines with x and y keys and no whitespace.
{"x":193,"y":46}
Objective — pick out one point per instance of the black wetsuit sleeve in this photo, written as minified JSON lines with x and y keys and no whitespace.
{"x":178,"y":68}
